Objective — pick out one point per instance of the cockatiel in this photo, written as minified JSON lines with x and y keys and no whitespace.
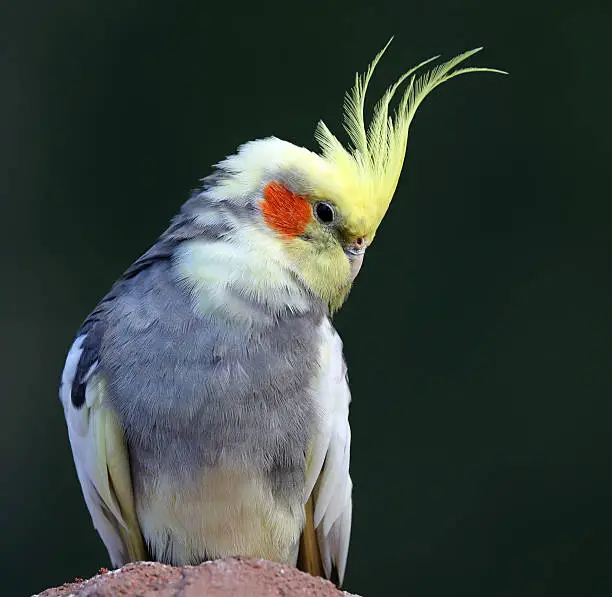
{"x":206,"y":395}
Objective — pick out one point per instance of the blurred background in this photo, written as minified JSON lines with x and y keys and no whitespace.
{"x":478,"y":335}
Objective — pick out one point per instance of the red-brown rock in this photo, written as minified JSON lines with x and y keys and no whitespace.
{"x":232,"y":577}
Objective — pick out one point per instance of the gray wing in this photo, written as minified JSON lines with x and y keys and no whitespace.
{"x":96,"y":436}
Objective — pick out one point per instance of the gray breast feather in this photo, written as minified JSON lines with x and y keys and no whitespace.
{"x":195,"y":391}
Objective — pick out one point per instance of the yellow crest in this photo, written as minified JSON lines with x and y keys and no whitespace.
{"x":374,"y":161}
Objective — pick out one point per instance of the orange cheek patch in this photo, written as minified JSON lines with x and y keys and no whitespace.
{"x":285,"y":212}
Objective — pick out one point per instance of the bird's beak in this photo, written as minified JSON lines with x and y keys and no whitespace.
{"x":355,"y":252}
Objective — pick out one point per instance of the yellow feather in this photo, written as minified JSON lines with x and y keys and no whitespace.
{"x":371,"y":167}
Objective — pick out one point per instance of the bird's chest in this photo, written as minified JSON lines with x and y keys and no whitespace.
{"x":224,"y":470}
{"x":226,"y":400}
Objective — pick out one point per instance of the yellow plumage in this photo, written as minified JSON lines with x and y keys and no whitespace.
{"x":359,"y":180}
{"x":366,"y":174}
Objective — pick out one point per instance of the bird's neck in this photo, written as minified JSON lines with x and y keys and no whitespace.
{"x":243,"y":276}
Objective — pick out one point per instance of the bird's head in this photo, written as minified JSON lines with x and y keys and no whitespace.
{"x":323,"y":210}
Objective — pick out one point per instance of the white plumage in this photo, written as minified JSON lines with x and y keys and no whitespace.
{"x":328,"y":470}
{"x":101,"y":462}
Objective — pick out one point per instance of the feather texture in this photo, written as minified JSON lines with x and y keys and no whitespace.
{"x":376,"y":153}
{"x":102,"y":464}
{"x":328,"y":480}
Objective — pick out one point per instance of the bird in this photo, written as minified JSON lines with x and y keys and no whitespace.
{"x":206,"y":396}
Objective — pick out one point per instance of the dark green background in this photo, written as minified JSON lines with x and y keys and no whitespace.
{"x":478,"y":336}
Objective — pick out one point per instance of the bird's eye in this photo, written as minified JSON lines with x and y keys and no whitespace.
{"x":325,"y":212}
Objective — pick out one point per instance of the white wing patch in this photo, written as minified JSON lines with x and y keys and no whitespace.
{"x":328,"y":475}
{"x":101,"y":461}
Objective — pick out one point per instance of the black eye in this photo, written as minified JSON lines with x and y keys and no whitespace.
{"x":325,"y":212}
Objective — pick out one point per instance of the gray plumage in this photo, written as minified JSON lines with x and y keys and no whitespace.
{"x":206,"y":388}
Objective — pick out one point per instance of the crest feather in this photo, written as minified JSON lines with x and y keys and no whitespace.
{"x":376,"y":153}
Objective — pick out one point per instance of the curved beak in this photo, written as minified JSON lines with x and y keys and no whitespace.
{"x":355,"y":253}
{"x":355,"y":261}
